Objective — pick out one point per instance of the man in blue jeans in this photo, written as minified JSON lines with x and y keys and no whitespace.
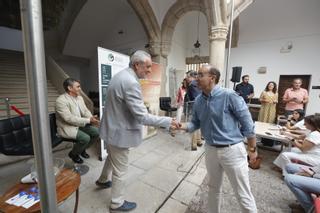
{"x":302,"y":181}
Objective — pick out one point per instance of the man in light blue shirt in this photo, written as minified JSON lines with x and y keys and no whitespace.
{"x":225,"y":121}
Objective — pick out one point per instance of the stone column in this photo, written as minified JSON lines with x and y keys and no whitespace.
{"x":159,"y":52}
{"x":217,"y":39}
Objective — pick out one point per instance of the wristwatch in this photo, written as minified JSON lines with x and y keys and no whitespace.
{"x":252,"y":149}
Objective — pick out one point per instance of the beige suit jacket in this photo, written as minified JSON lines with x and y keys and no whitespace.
{"x":71,"y":113}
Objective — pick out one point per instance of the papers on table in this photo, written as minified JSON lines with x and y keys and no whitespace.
{"x":26,"y":199}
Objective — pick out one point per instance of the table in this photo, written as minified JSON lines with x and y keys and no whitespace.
{"x":67,"y":182}
{"x":271,"y":131}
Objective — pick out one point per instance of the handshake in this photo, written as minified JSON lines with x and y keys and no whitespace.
{"x":175,"y":125}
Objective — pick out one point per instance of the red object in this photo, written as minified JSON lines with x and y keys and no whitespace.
{"x":317,"y":205}
{"x":299,"y":162}
{"x":17,"y":110}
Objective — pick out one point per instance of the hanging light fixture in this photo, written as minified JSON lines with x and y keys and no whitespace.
{"x":197,"y":44}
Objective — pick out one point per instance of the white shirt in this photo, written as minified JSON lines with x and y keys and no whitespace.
{"x":300,"y":125}
{"x":314,"y":137}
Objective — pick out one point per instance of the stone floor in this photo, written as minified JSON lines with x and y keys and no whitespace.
{"x":166,"y":177}
{"x":268,"y":188}
{"x":163,"y":176}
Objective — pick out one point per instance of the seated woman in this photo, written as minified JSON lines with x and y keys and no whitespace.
{"x":306,"y":150}
{"x":303,"y":181}
{"x":295,"y":119}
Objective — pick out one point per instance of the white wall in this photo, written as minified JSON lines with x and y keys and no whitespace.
{"x":11,"y":39}
{"x":192,"y":33}
{"x":184,"y":36}
{"x":178,"y":51}
{"x":265,"y":28}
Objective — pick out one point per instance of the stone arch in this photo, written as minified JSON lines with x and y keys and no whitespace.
{"x":146,"y":15}
{"x":176,"y":11}
{"x":71,"y":12}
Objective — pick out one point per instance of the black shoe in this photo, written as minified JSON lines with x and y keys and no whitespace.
{"x":85,"y":154}
{"x":75,"y":158}
{"x":105,"y":185}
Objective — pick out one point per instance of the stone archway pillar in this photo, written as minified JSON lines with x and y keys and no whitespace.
{"x":159,"y":52}
{"x":217,"y":40}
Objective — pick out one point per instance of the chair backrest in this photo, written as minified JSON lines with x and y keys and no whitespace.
{"x":15,"y":136}
{"x":282,"y":120}
{"x":165,"y":103}
{"x":55,"y":139}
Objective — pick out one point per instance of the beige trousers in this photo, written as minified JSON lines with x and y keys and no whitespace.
{"x":115,"y":168}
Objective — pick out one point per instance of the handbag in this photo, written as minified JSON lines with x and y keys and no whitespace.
{"x":256,"y":164}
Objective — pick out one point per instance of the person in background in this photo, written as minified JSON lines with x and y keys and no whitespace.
{"x":245,"y":89}
{"x":180,"y":99}
{"x":294,"y":118}
{"x":269,"y":100}
{"x":121,"y":126}
{"x":302,"y":181}
{"x":192,"y":92}
{"x":75,"y":121}
{"x":306,"y":150}
{"x":295,"y":97}
{"x":225,"y":120}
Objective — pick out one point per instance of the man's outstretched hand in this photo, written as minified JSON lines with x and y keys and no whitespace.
{"x":174,"y":126}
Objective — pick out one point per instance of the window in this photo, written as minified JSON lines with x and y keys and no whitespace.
{"x":194,"y":63}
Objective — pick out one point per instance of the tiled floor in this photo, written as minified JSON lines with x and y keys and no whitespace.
{"x":163,"y":175}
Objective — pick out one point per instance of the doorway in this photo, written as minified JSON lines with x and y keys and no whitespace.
{"x":285,"y":82}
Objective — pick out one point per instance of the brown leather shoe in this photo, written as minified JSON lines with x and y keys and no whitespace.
{"x":296,"y":208}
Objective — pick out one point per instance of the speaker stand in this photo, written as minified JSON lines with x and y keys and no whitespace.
{"x":234,"y":85}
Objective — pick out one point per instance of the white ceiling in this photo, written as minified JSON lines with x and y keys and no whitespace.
{"x":99,"y":21}
{"x":276,"y":19}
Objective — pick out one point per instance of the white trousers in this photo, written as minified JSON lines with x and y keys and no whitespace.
{"x":116,"y":166}
{"x":285,"y":157}
{"x":233,"y":161}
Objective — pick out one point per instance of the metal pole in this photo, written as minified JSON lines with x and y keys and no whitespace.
{"x":226,"y":82}
{"x":31,"y":21}
{"x":7,"y":101}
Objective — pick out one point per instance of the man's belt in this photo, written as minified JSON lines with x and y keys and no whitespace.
{"x":222,"y":146}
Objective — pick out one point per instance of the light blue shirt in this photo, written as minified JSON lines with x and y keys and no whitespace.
{"x":223,"y":117}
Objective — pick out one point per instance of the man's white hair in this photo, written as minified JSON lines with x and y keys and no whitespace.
{"x":138,"y":57}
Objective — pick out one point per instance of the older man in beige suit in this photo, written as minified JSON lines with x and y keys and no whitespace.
{"x":121,"y":125}
{"x":75,"y":121}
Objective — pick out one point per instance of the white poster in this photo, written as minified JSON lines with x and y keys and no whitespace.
{"x":109,"y":64}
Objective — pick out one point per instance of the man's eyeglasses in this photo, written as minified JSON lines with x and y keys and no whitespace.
{"x":202,"y":74}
